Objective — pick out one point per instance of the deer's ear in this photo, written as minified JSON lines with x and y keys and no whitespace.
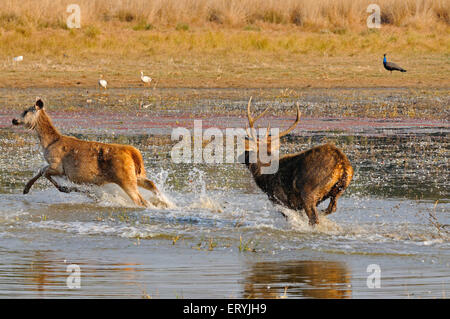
{"x":39,"y":104}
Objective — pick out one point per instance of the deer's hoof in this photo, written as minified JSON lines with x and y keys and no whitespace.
{"x":64,"y":189}
{"x":313,"y":222}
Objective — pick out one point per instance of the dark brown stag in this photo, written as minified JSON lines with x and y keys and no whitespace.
{"x":303,"y":179}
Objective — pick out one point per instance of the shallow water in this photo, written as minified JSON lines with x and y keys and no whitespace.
{"x":224,"y":238}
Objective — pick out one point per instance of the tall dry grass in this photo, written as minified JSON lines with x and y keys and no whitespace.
{"x":228,"y":43}
{"x":309,"y":14}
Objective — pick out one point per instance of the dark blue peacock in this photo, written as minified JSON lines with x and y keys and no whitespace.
{"x":391,"y":66}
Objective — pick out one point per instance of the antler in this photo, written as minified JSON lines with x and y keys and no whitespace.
{"x":286,"y":132}
{"x":251,"y":120}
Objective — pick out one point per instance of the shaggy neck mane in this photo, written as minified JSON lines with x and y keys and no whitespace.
{"x":47,"y":133}
{"x":255,"y":168}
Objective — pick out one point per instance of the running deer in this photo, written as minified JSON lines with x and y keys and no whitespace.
{"x":86,"y":162}
{"x":303,"y":179}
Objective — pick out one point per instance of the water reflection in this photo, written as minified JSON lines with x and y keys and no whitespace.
{"x":37,"y":272}
{"x":40,"y":273}
{"x":294,"y":279}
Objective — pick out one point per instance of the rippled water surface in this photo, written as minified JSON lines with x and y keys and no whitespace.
{"x":224,"y":238}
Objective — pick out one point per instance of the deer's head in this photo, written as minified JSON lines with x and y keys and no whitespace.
{"x":255,"y":144}
{"x":30,"y":115}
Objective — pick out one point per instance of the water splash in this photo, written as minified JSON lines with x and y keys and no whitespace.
{"x":159,"y":201}
{"x":205,"y":202}
{"x":162,"y":200}
{"x":300,"y":222}
{"x":111,"y":195}
{"x":198,"y":187}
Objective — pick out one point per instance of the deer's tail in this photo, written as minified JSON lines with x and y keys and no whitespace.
{"x":138,"y":162}
{"x":348,"y":175}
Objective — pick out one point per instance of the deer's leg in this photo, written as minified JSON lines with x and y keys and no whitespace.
{"x":311,"y":211}
{"x":63,"y":189}
{"x":149,"y":185}
{"x":30,"y":183}
{"x":336,"y":192}
{"x":133,"y":192}
{"x":332,"y":205}
{"x":49,"y":172}
{"x":309,"y":204}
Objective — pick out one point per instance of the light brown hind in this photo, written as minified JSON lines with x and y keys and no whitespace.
{"x":86,"y":162}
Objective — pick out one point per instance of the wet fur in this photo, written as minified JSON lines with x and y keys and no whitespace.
{"x":306,"y":179}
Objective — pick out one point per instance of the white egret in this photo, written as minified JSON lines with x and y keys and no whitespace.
{"x":145,"y":79}
{"x":102,"y":83}
{"x":144,"y":106}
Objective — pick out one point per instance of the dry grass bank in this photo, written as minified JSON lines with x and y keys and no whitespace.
{"x":218,"y":43}
{"x":311,"y":14}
